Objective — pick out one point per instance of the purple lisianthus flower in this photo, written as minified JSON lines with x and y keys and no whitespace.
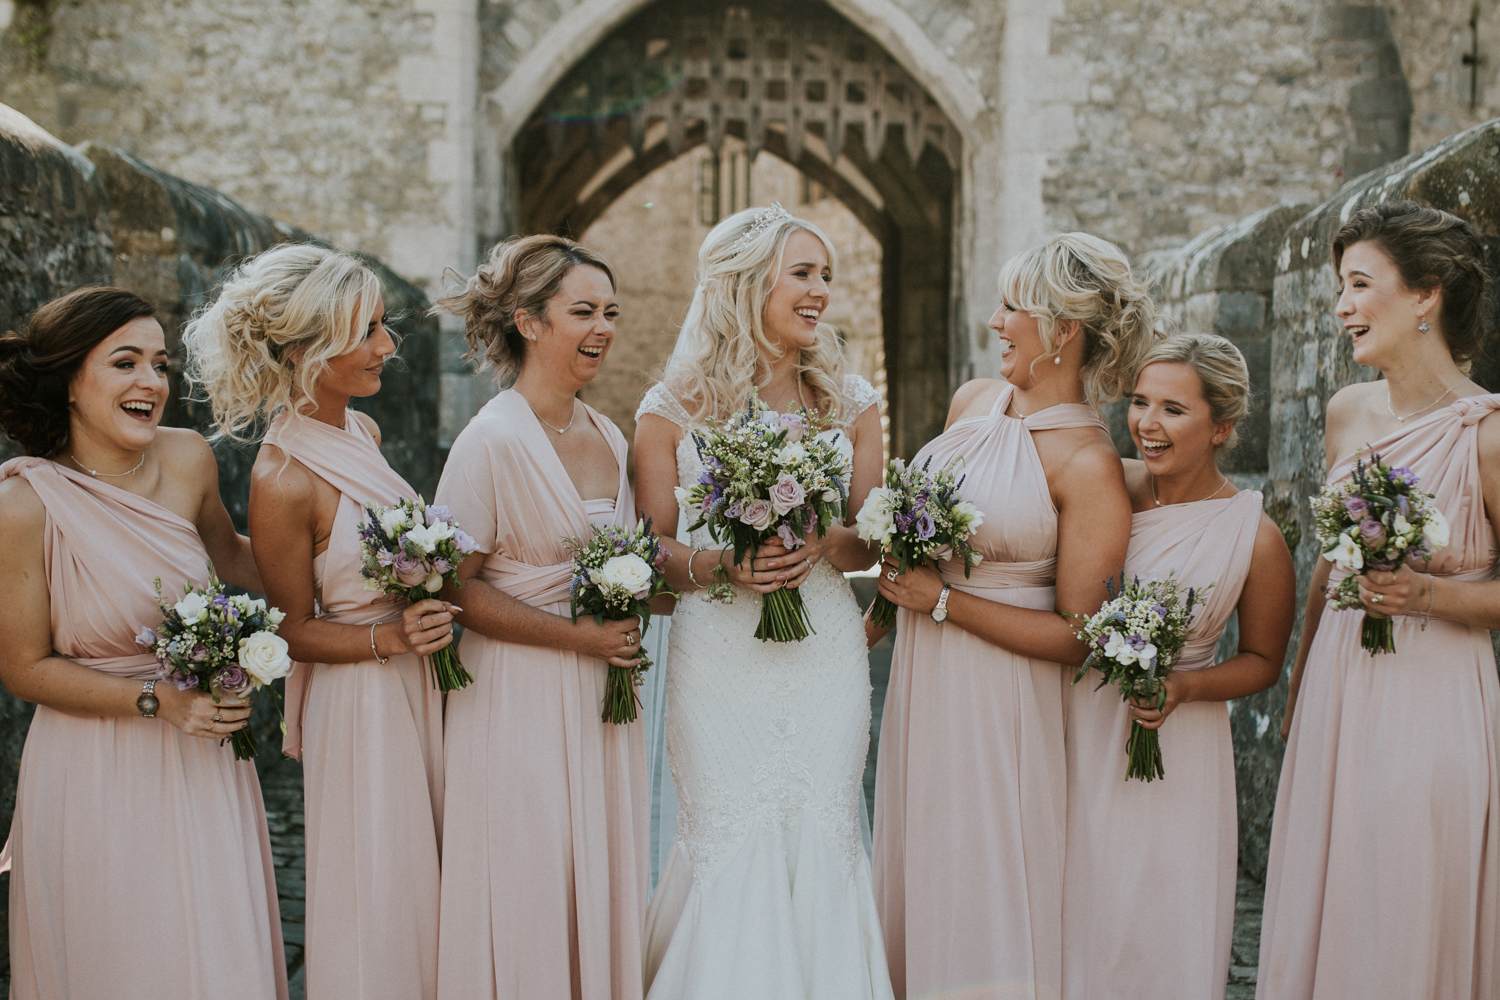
{"x":438,"y":512}
{"x":1159,"y":611}
{"x":1403,"y":476}
{"x":1136,"y":641}
{"x":233,"y":680}
{"x":1372,"y":533}
{"x":411,"y":572}
{"x":734,"y":510}
{"x":925,"y":528}
{"x":441,"y":566}
{"x":146,"y":637}
{"x":1356,"y":506}
{"x":384,"y":557}
{"x":464,"y":542}
{"x":182,"y":680}
{"x":788,"y":538}
{"x":199,"y":653}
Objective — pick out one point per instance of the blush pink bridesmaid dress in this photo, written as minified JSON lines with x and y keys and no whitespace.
{"x":1148,"y":897}
{"x":1384,"y":875}
{"x":548,"y":813}
{"x":970,"y":790}
{"x":139,"y":856}
{"x":370,"y":736}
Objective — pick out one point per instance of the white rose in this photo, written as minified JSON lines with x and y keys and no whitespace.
{"x":964,"y":509}
{"x":264,"y":657}
{"x":394,"y":521}
{"x":1435,"y":530}
{"x":192,"y":607}
{"x":830,"y":495}
{"x":628,"y":572}
{"x":681,"y":493}
{"x":428,"y":537}
{"x":275,"y":615}
{"x":791,"y":454}
{"x":1345,"y":554}
{"x":874,"y":522}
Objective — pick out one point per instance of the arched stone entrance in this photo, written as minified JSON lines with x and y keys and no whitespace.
{"x":802,"y":83}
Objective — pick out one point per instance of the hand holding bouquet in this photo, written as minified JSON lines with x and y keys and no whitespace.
{"x":224,"y":646}
{"x":768,"y":475}
{"x":1134,"y":640}
{"x":1375,"y":519}
{"x":408,"y":549}
{"x":616,"y":573}
{"x":918,"y":516}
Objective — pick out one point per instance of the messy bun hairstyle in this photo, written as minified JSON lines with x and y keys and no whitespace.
{"x":1431,"y":249}
{"x":722,"y":351}
{"x":261,"y":347}
{"x":37,"y":366}
{"x":522,"y":273}
{"x":1082,"y":278}
{"x":1223,"y":376}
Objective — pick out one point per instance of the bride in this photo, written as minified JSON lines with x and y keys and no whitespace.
{"x":767,"y":892}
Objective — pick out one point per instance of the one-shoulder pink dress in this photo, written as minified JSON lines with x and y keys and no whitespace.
{"x":970,"y":789}
{"x":139,"y":856}
{"x":548,"y":814}
{"x":1148,"y":898}
{"x":1384,"y":875}
{"x":370,"y":736}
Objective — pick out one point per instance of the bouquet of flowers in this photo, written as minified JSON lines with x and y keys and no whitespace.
{"x":408,"y":548}
{"x":1134,"y":640}
{"x":1375,"y":519}
{"x":918,"y":516}
{"x":225,"y":646}
{"x":767,"y":475}
{"x":616,"y":573}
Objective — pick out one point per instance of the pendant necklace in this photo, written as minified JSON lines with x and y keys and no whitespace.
{"x":559,"y":430}
{"x":1222,"y":484}
{"x":108,"y":475}
{"x":1400,"y":419}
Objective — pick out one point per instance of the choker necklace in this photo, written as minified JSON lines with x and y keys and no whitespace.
{"x":559,"y":430}
{"x":108,"y":475}
{"x":1400,"y":419}
{"x":1221,"y":485}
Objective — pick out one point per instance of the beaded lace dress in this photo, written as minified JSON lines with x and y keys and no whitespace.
{"x":767,"y":891}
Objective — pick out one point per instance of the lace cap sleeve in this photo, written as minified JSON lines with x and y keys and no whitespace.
{"x":861,"y":393}
{"x":662,"y":403}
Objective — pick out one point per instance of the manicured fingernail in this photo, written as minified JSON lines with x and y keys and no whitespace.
{"x":454,"y":607}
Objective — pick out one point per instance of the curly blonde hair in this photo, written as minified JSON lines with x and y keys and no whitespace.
{"x":723,"y":350}
{"x":1087,"y":280}
{"x":261,"y":347}
{"x":521,"y":274}
{"x":1223,"y":376}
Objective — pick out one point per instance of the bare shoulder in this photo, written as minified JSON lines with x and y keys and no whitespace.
{"x":186,"y":455}
{"x":280,"y":478}
{"x":1137,"y":481}
{"x":973,"y":396}
{"x":1352,"y":402}
{"x":1488,"y":439}
{"x":22,"y":513}
{"x":654,"y":431}
{"x":1270,"y":542}
{"x":368,"y":422}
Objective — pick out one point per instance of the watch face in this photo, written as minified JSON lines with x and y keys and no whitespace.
{"x":148,"y":704}
{"x":939,"y":614}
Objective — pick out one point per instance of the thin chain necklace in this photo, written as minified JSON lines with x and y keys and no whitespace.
{"x":559,"y":430}
{"x":1400,"y":419}
{"x":1221,"y":485}
{"x":108,"y":475}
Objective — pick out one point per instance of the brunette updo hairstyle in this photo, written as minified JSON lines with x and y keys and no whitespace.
{"x":1431,"y":249}
{"x":1223,"y":376}
{"x":1082,"y":278}
{"x":521,"y":274}
{"x":38,"y":365}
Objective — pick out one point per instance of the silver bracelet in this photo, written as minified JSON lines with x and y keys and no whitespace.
{"x":378,"y":657}
{"x":691,"y":578}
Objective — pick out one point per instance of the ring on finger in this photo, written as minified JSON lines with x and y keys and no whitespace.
{"x":1378,"y":599}
{"x":217,"y":720}
{"x":890,"y":575}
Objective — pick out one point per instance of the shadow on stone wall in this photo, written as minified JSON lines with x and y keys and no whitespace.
{"x":96,"y":215}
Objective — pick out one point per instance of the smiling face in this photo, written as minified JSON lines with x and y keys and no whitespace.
{"x":118,"y":394}
{"x":800,"y":294}
{"x":357,"y":372}
{"x":1378,"y":310}
{"x":1170,"y":421}
{"x":1020,"y":345}
{"x":572,"y":340}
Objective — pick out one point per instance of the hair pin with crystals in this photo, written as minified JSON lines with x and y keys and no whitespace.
{"x":767,"y":218}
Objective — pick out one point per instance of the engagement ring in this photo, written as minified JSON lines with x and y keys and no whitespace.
{"x":890,"y":575}
{"x":217,"y":719}
{"x":1378,"y":599}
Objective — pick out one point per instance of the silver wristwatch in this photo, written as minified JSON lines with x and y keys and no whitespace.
{"x":147,"y":702}
{"x":940,"y":613}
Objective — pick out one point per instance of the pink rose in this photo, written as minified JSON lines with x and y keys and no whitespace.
{"x":411,"y":572}
{"x":758,"y":514}
{"x":787,"y":493}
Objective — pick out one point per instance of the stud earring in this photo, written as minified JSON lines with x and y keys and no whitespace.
{"x":1422,"y":327}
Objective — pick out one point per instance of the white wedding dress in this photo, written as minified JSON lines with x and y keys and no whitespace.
{"x":767,"y":892}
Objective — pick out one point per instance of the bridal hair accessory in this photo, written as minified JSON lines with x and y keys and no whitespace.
{"x":767,"y":218}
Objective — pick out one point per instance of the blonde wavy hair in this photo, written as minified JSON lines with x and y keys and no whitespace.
{"x":1223,"y":376}
{"x":722,"y":351}
{"x":1087,"y":280}
{"x":261,"y":347}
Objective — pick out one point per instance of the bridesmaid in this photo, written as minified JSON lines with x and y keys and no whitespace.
{"x":139,"y":856}
{"x":548,"y":813}
{"x":970,"y":792}
{"x":1192,"y":523}
{"x":1384,"y":876}
{"x":295,"y":334}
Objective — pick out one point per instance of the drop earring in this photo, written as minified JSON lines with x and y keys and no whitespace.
{"x":1422,"y":327}
{"x":1057,"y":359}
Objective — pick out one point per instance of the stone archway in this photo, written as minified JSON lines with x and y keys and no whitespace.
{"x":801,"y":83}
